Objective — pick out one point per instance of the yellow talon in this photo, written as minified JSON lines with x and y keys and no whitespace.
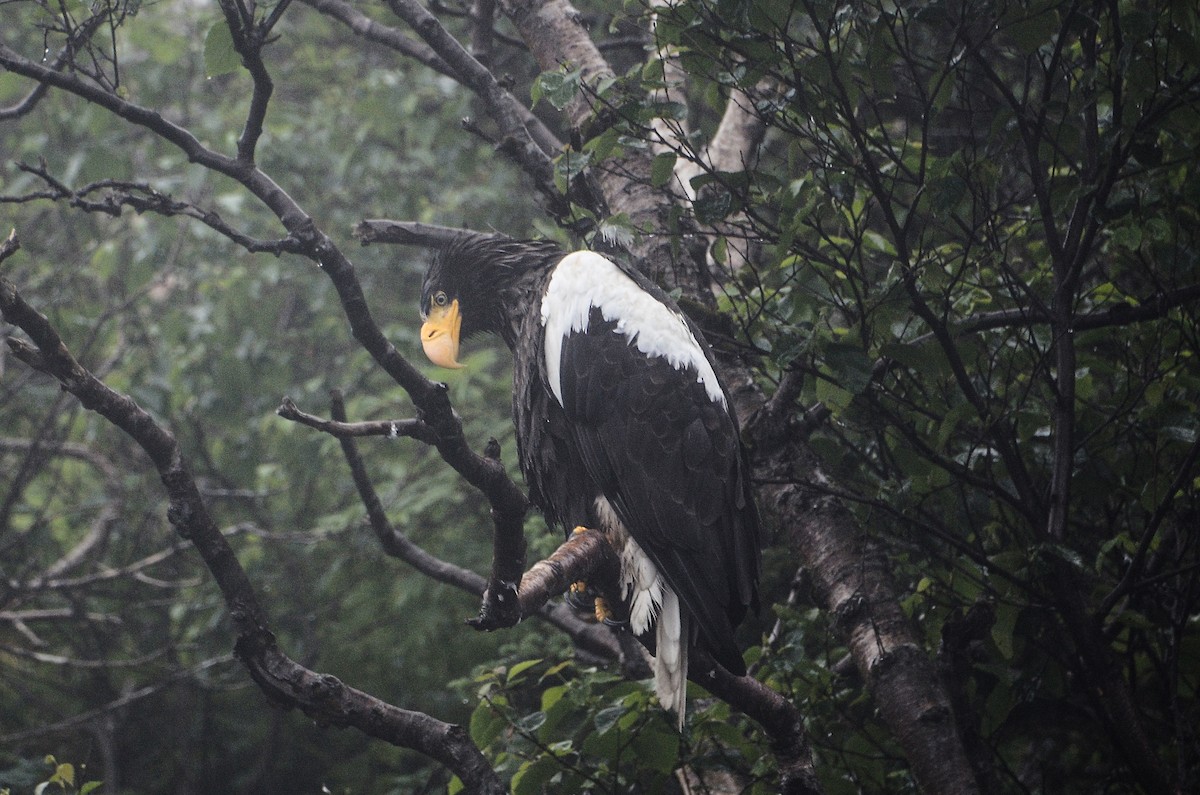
{"x":580,"y":529}
{"x":578,"y":587}
{"x":603,"y":614}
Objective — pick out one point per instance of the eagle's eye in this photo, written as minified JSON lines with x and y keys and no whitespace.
{"x":439,"y":298}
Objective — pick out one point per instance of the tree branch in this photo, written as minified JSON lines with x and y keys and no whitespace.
{"x":852,"y":580}
{"x":525,"y":139}
{"x":553,"y":31}
{"x":373,"y":30}
{"x":320,"y":696}
{"x":249,"y":37}
{"x":142,"y":197}
{"x":405,"y":233}
{"x":392,"y":429}
{"x":532,"y":598}
{"x":778,"y":716}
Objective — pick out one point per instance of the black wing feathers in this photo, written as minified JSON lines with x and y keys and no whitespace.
{"x":667,"y":457}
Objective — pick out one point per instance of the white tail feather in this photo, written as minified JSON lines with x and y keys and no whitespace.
{"x":671,"y":656}
{"x":650,"y":600}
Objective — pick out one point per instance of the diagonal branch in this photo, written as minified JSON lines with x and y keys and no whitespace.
{"x":77,"y":38}
{"x":544,"y":581}
{"x":508,"y":502}
{"x":373,"y":30}
{"x":320,"y":696}
{"x":524,"y":138}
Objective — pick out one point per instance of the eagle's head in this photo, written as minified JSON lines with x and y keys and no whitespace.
{"x":468,"y":290}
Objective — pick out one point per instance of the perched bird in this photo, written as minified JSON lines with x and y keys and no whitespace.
{"x":621,"y":426}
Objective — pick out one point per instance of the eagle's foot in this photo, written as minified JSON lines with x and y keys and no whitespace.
{"x":580,"y":598}
{"x":585,"y":600}
{"x":608,"y":616}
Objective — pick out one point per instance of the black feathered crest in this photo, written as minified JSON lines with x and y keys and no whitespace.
{"x":476,"y":268}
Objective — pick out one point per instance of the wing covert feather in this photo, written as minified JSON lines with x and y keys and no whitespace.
{"x":667,"y":457}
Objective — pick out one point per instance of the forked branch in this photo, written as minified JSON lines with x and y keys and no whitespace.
{"x":320,"y":696}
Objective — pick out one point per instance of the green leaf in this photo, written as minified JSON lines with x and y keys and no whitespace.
{"x":557,"y":87}
{"x":921,"y":359}
{"x":89,"y":786}
{"x":554,"y":670}
{"x":532,"y":722}
{"x":533,"y":775}
{"x":833,"y":396}
{"x":606,"y":144}
{"x":1002,"y":630}
{"x":849,"y":366}
{"x":485,"y":724}
{"x":220,"y":57}
{"x":720,"y":250}
{"x":569,"y":165}
{"x":608,"y":717}
{"x":521,"y":668}
{"x":455,"y":786}
{"x":662,"y":169}
{"x":64,"y":774}
{"x":552,"y":695}
{"x":1128,"y":237}
{"x":657,"y":748}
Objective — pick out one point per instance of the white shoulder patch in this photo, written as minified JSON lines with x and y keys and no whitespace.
{"x":585,"y":279}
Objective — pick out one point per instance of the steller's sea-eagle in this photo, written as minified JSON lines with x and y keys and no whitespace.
{"x":623,"y":426}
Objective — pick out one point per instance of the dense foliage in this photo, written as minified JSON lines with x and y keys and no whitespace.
{"x":954,"y":246}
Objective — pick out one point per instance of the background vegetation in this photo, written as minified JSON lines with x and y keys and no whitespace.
{"x":947,"y":252}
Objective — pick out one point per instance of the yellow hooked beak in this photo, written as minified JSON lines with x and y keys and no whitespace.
{"x":439,"y":335}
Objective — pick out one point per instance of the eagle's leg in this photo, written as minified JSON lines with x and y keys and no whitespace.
{"x":607,"y":610}
{"x":582,"y":598}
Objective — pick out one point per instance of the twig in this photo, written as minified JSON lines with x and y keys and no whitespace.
{"x":392,"y":429}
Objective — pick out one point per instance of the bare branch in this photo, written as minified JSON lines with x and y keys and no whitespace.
{"x":397,"y":544}
{"x":405,"y":233}
{"x":1123,"y":314}
{"x":57,"y":614}
{"x":394,"y":542}
{"x":483,"y":13}
{"x":10,"y":246}
{"x":249,"y":38}
{"x":525,"y":139}
{"x":373,"y":30}
{"x":776,"y":714}
{"x":257,"y":182}
{"x":508,"y":502}
{"x":392,"y":429}
{"x":320,"y":696}
{"x":79,"y":37}
{"x":580,"y":557}
{"x":142,"y":197}
{"x":135,"y":569}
